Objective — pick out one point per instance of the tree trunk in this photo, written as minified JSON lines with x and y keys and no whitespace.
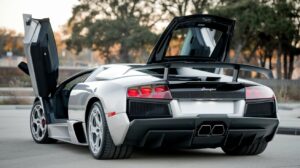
{"x":263,"y":60}
{"x":105,"y":53}
{"x":252,"y":54}
{"x":270,"y":62}
{"x":270,"y":55}
{"x":285,"y":62}
{"x":108,"y":60}
{"x":278,"y":62}
{"x":237,"y":52}
{"x":124,"y":54}
{"x":291,"y":66}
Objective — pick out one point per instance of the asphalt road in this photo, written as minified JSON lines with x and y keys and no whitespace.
{"x":17,"y":149}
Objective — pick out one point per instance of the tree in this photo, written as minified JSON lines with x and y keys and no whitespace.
{"x":184,"y":7}
{"x":109,"y":25}
{"x":10,"y":41}
{"x":120,"y":29}
{"x":263,"y":25}
{"x":249,"y":21}
{"x":285,"y":29}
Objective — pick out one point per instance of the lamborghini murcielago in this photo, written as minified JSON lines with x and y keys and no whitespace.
{"x":184,"y":96}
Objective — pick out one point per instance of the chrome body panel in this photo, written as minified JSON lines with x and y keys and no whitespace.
{"x":112,"y":95}
{"x":31,"y":36}
{"x":59,"y":131}
{"x":64,"y":132}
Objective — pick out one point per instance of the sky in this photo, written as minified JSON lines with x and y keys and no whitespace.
{"x":59,"y":11}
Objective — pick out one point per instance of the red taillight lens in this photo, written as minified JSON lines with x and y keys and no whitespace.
{"x":132,"y":92}
{"x":161,"y":88}
{"x":259,"y":92}
{"x":146,"y":91}
{"x":151,"y":92}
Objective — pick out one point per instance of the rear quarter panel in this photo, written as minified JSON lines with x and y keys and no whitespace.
{"x":112,"y":95}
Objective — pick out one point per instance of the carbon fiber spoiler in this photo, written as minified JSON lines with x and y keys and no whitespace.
{"x":236,"y":68}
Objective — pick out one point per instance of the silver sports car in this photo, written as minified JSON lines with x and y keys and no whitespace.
{"x":185,"y":96}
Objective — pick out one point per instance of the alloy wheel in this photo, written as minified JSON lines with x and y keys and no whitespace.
{"x":38,"y":123}
{"x":95,"y":127}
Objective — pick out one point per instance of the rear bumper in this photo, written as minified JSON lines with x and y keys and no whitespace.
{"x":183,"y":132}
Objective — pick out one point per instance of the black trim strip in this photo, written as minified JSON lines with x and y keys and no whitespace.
{"x":236,"y":67}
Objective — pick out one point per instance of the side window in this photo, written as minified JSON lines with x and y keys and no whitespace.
{"x":78,"y":79}
{"x":95,"y":73}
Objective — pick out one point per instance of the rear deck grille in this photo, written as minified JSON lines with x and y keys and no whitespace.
{"x":138,"y":109}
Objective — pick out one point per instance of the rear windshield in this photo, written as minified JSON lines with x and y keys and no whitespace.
{"x":197,"y":42}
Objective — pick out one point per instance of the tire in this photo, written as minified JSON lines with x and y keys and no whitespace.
{"x":253,"y":149}
{"x":38,"y":124}
{"x":100,"y":142}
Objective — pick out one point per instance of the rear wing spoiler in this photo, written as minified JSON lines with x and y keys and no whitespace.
{"x":236,"y":68}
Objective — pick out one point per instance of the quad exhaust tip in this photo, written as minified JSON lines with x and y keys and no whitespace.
{"x":218,"y":130}
{"x":211,"y":130}
{"x":204,"y":130}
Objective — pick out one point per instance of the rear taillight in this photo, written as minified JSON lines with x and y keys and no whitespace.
{"x":259,"y":92}
{"x":133,"y":92}
{"x":150,"y":92}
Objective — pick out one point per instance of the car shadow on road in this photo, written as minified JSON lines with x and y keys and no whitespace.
{"x":140,"y":153}
{"x":143,"y":153}
{"x":73,"y":148}
{"x":176,"y":153}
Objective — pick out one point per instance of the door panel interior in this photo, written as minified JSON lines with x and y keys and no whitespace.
{"x":41,"y":53}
